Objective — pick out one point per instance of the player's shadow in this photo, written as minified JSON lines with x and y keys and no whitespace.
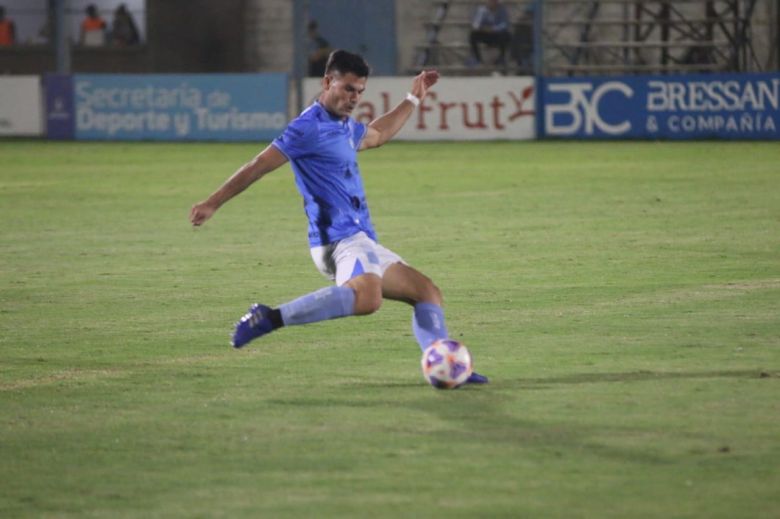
{"x":324,"y":403}
{"x":631,"y":376}
{"x":484,"y":414}
{"x":521,"y":382}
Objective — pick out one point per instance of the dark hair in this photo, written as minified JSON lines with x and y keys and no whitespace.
{"x":345,"y":62}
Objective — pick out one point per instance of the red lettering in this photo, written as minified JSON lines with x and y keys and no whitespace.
{"x":496,"y":105}
{"x":519,"y":111}
{"x":423,"y":109}
{"x":443,"y":115}
{"x":480,"y":116}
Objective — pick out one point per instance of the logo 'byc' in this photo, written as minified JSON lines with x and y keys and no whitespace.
{"x":581,"y":113}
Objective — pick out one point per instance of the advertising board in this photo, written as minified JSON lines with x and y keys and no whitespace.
{"x":171,"y":107}
{"x":693,"y":106}
{"x":500,"y":108}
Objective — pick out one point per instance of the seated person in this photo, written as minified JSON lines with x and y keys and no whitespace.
{"x":124,"y":32}
{"x":491,"y":27}
{"x":93,"y":28}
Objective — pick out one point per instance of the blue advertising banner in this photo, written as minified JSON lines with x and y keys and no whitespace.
{"x":60,"y":122}
{"x":693,"y":106}
{"x":226,"y":107}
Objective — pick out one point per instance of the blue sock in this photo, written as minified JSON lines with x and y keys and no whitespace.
{"x":428,"y":324}
{"x":326,"y":303}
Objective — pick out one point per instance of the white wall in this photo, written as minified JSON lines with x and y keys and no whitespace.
{"x":21,"y":106}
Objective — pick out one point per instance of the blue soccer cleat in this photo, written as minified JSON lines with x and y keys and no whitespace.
{"x":476,"y":378}
{"x":255,"y":323}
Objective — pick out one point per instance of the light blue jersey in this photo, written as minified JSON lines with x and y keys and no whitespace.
{"x":322,"y":150}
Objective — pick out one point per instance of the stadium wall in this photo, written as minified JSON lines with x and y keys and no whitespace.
{"x":255,"y":107}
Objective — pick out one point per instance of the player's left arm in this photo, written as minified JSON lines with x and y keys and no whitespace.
{"x":386,"y":126}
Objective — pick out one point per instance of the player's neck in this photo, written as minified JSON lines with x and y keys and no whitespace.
{"x":330,"y":112}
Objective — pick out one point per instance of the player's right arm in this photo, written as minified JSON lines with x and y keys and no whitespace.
{"x":384,"y":127}
{"x":266,"y":161}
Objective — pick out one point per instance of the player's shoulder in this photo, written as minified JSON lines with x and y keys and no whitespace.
{"x":306,"y":124}
{"x":311,"y":112}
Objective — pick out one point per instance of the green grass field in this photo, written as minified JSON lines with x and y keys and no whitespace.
{"x":624,"y":298}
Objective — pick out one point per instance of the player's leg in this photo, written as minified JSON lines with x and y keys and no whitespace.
{"x":368,"y":293}
{"x":326,"y":303}
{"x":361,"y":295}
{"x":502,"y":40}
{"x":404,"y":283}
{"x":358,"y":289}
{"x":358,"y":292}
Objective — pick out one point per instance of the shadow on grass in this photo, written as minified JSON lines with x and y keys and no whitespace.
{"x":488,"y":393}
{"x":491,"y":415}
{"x":635,"y":376}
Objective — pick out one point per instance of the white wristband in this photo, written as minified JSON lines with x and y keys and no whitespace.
{"x":413,"y":99}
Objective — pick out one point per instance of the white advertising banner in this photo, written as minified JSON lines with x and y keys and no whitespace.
{"x":456,"y":108}
{"x":21,"y":106}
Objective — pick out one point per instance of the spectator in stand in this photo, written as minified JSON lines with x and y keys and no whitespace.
{"x":124,"y":32}
{"x":93,"y":28}
{"x":7,"y":30}
{"x":319,"y":50}
{"x":491,"y":27}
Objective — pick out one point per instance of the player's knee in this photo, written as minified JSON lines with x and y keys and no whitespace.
{"x":367,"y":302}
{"x":368,"y":295}
{"x":368,"y":305}
{"x":430,"y":293}
{"x":437,"y":296}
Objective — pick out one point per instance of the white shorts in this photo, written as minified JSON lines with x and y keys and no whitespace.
{"x":353,"y":256}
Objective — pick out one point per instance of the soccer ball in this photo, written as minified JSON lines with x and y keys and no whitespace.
{"x":446,"y":364}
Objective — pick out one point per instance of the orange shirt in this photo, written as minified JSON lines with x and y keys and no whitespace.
{"x":92,"y":24}
{"x":6,"y":33}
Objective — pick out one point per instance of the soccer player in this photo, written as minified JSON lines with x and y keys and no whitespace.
{"x":322,"y":144}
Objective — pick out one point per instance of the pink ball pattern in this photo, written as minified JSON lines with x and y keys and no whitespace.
{"x":446,"y":364}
